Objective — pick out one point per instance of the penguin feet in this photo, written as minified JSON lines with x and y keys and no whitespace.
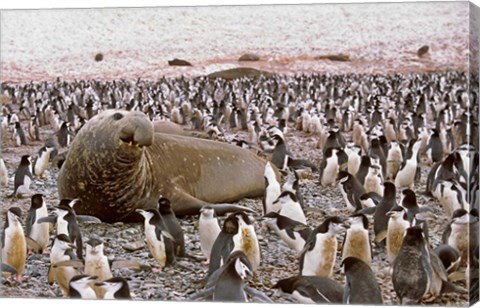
{"x":157,"y":270}
{"x":207,"y":261}
{"x":21,"y":278}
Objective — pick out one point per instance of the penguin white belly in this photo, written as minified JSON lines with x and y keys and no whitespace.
{"x":40,"y":233}
{"x":354,"y":162}
{"x":321,"y":259}
{"x":449,"y":201}
{"x":62,"y":227}
{"x":395,"y":233}
{"x":24,"y":189}
{"x":406,"y":176}
{"x":209,"y":230}
{"x":294,"y":211}
{"x":98,"y":266}
{"x":272,"y":192}
{"x":156,"y":247}
{"x":41,"y":164}
{"x":15,"y":251}
{"x":458,"y":239}
{"x":357,"y":245}
{"x":373,"y":183}
{"x":250,"y":246}
{"x":330,"y":172}
{"x":297,"y":243}
{"x":3,"y":173}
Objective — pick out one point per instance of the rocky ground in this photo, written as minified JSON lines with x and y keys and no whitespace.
{"x":182,"y":280}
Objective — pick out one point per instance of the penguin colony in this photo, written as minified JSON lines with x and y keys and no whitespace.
{"x":370,"y":139}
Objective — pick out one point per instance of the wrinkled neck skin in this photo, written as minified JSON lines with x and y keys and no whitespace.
{"x":118,"y":180}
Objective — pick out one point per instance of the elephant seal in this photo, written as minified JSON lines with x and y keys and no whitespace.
{"x":118,"y":163}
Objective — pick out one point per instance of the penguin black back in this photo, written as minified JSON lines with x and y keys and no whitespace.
{"x":223,"y":245}
{"x":361,"y":286}
{"x":173,"y":226}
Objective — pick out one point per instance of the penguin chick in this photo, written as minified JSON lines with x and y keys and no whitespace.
{"x":311,"y":289}
{"x":417,"y":271}
{"x":397,"y":226}
{"x":209,"y":229}
{"x":14,"y":245}
{"x":290,"y":207}
{"x":357,"y":241}
{"x":115,"y":288}
{"x":361,"y":286}
{"x":159,"y":241}
{"x":62,"y":251}
{"x":79,"y":287}
{"x":272,"y":190}
{"x":23,"y":178}
{"x":292,"y":232}
{"x":36,"y":231}
{"x":318,"y":256}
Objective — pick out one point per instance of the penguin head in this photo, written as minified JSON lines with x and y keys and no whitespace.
{"x":94,"y":246}
{"x":334,"y":225}
{"x":389,"y":189}
{"x":26,"y":160}
{"x":63,"y":242}
{"x":69,"y":203}
{"x":241,"y":264}
{"x":414,"y":236}
{"x":115,"y":285}
{"x":408,"y":199}
{"x":37,"y":201}
{"x":358,"y":219}
{"x":80,"y":282}
{"x":460,"y":216}
{"x":343,"y":177}
{"x":286,"y":285}
{"x":164,"y":206}
{"x":148,"y":214}
{"x":207,"y":212}
{"x":230,"y":225}
{"x":397,"y":212}
{"x":286,"y":197}
{"x":14,"y":215}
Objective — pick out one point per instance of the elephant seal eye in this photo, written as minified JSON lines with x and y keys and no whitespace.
{"x":117,"y":116}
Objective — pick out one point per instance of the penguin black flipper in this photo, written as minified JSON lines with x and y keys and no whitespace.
{"x":262,"y":297}
{"x":30,"y":221}
{"x":49,"y":219}
{"x":290,"y":225}
{"x":88,"y":219}
{"x":296,"y":164}
{"x":8,"y":269}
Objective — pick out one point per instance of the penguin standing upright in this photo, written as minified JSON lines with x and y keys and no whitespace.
{"x":394,"y":160}
{"x":14,"y":244}
{"x":80,"y":287}
{"x":173,"y":226}
{"x":96,"y":263}
{"x":357,"y":241}
{"x":374,"y":180}
{"x":3,"y":173}
{"x":417,"y":271}
{"x":318,"y":256}
{"x":159,"y":241}
{"x":64,"y":135}
{"x":330,"y":167}
{"x":434,"y":148}
{"x":115,"y":288}
{"x":351,"y":190}
{"x":209,"y":229}
{"x":365,"y":163}
{"x":224,"y":243}
{"x":272,"y":190}
{"x":33,"y":131}
{"x":397,"y":226}
{"x":462,"y":233}
{"x":41,"y":163}
{"x":38,"y":232}
{"x":66,"y":221}
{"x":62,"y":251}
{"x":19,"y":135}
{"x":380,"y":218}
{"x":408,"y":170}
{"x":361,"y":286}
{"x":354,"y":158}
{"x":23,"y":177}
{"x":247,"y":241}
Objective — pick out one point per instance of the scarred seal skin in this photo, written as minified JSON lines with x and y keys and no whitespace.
{"x":118,"y":163}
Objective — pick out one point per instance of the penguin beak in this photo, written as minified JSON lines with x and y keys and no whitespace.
{"x":99,"y":284}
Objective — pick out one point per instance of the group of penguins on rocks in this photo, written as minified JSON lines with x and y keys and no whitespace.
{"x":373,"y":132}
